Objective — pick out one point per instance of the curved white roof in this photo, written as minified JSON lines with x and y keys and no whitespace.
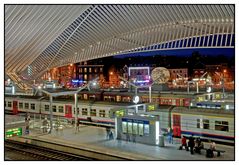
{"x":39,"y":37}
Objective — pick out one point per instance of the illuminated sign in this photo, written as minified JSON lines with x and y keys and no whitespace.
{"x":136,"y":99}
{"x":13,"y":132}
{"x":151,"y":107}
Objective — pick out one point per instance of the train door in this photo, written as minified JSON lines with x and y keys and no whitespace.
{"x":68,"y":111}
{"x":14,"y":107}
{"x":176,"y":125}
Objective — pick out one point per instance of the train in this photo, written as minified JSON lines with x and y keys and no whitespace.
{"x":160,"y":98}
{"x":208,"y":123}
{"x":94,"y":111}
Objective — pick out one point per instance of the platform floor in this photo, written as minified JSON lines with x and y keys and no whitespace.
{"x":95,"y":138}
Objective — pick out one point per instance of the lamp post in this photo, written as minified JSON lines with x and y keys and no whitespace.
{"x":222,"y":80}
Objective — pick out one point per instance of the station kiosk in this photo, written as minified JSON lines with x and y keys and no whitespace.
{"x":139,"y":128}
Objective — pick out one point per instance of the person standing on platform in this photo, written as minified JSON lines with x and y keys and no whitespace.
{"x":191,"y":143}
{"x":170,"y":135}
{"x":77,"y":126}
{"x":107,"y":133}
{"x":134,"y":138}
{"x":183,"y":144}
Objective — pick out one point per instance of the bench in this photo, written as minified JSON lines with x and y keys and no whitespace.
{"x":218,"y":151}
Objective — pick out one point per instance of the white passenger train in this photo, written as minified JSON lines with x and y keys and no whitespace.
{"x":97,"y":112}
{"x":213,"y":124}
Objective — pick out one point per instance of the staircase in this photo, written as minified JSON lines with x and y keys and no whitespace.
{"x":18,"y":82}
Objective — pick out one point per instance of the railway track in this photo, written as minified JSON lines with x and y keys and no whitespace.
{"x":41,"y":153}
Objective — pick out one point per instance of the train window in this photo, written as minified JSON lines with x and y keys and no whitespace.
{"x":205,"y":124}
{"x":60,"y":109}
{"x":102,"y":113}
{"x":84,"y":111}
{"x":9,"y":104}
{"x":198,"y":123}
{"x":20,"y":105}
{"x":53,"y":108}
{"x":92,"y":97}
{"x":47,"y":107}
{"x":33,"y":106}
{"x":26,"y":105}
{"x":221,"y":126}
{"x":93,"y":112}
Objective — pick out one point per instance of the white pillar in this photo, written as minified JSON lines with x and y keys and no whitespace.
{"x":150,"y":94}
{"x":76,"y":107}
{"x":197,"y":87}
{"x":51,"y":114}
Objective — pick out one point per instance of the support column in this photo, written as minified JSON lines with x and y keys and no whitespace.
{"x":150,"y":94}
{"x":197,"y":87}
{"x":76,"y":107}
{"x":51,"y":114}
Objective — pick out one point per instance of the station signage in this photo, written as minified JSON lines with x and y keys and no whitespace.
{"x":13,"y":132}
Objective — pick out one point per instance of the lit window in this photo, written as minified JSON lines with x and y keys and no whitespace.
{"x":90,"y":70}
{"x":85,"y":69}
{"x":85,"y":77}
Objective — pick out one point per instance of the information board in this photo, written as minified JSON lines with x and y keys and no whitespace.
{"x":13,"y":132}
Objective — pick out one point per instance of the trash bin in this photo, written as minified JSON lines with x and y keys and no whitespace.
{"x":161,"y":141}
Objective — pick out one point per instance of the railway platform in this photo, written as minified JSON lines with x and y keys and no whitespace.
{"x":94,"y":138}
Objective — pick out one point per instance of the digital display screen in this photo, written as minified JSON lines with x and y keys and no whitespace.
{"x":13,"y":132}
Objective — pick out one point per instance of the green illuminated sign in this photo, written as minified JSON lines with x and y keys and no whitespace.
{"x":151,"y":108}
{"x":13,"y":132}
{"x":120,"y":113}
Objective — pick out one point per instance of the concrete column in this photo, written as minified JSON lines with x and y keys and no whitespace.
{"x":51,"y":114}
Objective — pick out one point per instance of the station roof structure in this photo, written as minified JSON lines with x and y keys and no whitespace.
{"x":41,"y":37}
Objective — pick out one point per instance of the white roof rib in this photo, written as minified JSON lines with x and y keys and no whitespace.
{"x":47,"y":36}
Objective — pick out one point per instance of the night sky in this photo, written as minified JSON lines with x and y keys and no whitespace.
{"x":230,"y":52}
